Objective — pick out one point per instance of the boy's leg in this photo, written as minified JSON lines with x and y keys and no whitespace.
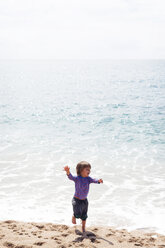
{"x":73,"y":220}
{"x":76,"y":210}
{"x":83,"y":225}
{"x":85,"y":210}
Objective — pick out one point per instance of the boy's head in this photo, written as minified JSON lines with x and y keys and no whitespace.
{"x":83,"y":169}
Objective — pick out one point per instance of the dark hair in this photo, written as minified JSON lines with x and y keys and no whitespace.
{"x":82,"y":165}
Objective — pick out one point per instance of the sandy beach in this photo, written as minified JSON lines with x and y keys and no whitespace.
{"x":48,"y":235}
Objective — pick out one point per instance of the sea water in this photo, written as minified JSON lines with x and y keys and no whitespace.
{"x":109,"y":113}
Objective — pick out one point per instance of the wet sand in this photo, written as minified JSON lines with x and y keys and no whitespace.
{"x":48,"y":235}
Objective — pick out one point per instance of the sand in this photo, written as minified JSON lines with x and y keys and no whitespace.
{"x":48,"y":235}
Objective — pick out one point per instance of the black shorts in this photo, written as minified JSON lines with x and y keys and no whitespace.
{"x":80,"y":208}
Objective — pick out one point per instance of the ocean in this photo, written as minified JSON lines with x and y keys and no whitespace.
{"x":110,"y":113}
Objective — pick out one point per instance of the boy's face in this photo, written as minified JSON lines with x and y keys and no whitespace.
{"x":85,"y":172}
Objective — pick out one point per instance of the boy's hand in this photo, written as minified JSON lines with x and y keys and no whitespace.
{"x":100,"y":180}
{"x":67,"y":169}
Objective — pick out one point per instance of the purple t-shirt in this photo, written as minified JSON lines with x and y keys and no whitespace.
{"x":82,"y":185}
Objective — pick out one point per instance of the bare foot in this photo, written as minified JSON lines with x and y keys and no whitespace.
{"x":73,"y":220}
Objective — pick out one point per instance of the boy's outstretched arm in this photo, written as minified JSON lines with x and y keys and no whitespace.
{"x":93,"y":180}
{"x":67,"y":169}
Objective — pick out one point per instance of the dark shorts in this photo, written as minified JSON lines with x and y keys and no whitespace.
{"x":80,"y":208}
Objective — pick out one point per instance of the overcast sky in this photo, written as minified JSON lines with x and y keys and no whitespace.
{"x":75,"y":29}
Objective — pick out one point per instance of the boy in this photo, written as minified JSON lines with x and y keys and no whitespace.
{"x":82,"y":181}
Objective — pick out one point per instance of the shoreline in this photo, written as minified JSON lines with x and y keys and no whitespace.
{"x":18,"y":234}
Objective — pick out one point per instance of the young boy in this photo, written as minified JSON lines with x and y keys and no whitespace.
{"x":82,"y":181}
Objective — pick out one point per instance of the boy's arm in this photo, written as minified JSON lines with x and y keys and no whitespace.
{"x":67,"y":169}
{"x":93,"y":180}
{"x":71,"y":177}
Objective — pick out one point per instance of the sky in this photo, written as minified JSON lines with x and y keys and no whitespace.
{"x":82,"y":29}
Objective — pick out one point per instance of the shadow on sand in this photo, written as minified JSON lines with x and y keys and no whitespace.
{"x":89,"y":235}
